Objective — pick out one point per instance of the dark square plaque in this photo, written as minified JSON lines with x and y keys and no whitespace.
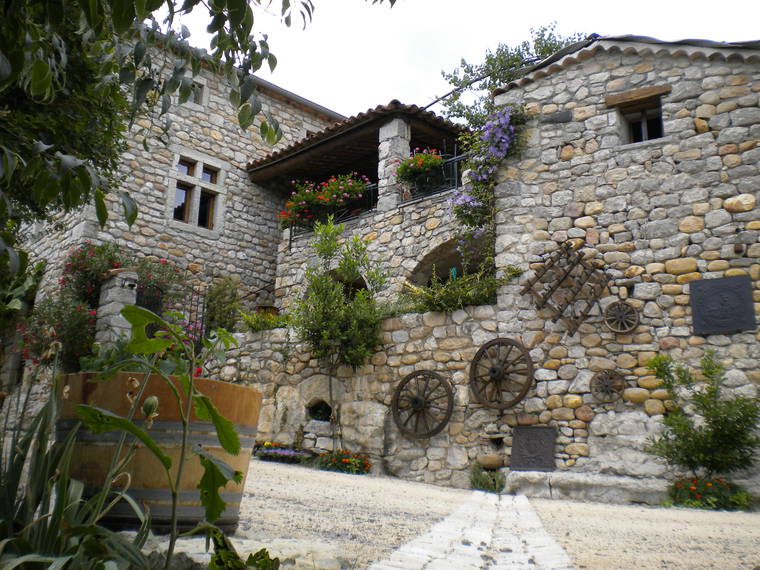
{"x":533,"y":448}
{"x":722,"y":305}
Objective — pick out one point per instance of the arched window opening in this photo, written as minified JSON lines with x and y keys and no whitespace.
{"x":446,"y":262}
{"x":319,"y":410}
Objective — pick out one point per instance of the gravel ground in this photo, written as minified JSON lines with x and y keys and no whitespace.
{"x":596,"y":535}
{"x":370,"y":516}
{"x":364,"y":515}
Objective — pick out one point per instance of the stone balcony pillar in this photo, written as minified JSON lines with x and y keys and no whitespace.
{"x":119,"y":290}
{"x":395,"y":137}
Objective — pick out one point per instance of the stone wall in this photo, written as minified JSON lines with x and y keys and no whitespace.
{"x":291,"y":381}
{"x":398,"y":239}
{"x":659,"y":214}
{"x":656,"y":215}
{"x":243,"y":241}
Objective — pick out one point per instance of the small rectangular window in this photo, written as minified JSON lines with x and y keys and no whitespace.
{"x":209,"y":174}
{"x":206,"y":210}
{"x":644,"y":123}
{"x":182,"y":201}
{"x":185,"y":166}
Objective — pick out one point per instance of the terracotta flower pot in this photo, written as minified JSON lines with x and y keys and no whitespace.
{"x":148,"y":483}
{"x":490,"y":461}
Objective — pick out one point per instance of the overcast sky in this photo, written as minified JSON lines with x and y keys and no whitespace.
{"x":354,"y":55}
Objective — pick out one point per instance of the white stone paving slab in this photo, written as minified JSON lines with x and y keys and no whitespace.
{"x":488,"y":531}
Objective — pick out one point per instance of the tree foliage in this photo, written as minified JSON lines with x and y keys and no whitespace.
{"x":340,"y":323}
{"x":721,"y":439}
{"x":497,"y":69}
{"x":76,"y":74}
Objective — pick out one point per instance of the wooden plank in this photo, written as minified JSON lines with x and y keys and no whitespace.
{"x":636,"y":95}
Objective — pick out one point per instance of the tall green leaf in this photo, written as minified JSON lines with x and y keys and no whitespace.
{"x":216,"y":474}
{"x":99,"y":420}
{"x":140,"y":318}
{"x":225,"y":429}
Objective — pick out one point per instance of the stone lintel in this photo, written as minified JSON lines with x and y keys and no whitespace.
{"x":636,"y":95}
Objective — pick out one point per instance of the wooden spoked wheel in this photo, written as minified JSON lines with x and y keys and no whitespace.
{"x":607,"y":385}
{"x":422,"y":404}
{"x":501,"y":373}
{"x":621,"y":317}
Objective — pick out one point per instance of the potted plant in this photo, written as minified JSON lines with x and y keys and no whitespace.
{"x":177,"y":443}
{"x":311,"y":202}
{"x":422,"y":170}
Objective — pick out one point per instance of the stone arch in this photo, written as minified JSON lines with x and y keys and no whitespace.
{"x":442,"y":259}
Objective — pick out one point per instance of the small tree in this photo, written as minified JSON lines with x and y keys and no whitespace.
{"x":497,"y":69}
{"x":340,"y":322}
{"x":722,"y":438}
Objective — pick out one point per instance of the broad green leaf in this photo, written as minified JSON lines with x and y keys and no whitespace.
{"x":139,"y":343}
{"x":142,"y":87}
{"x":13,"y":259}
{"x":236,"y":11}
{"x":129,"y":206}
{"x":141,"y":10}
{"x":216,"y":474}
{"x":99,"y":420}
{"x":247,"y":88}
{"x":245,"y":116}
{"x":225,"y":429}
{"x":122,"y":14}
{"x":272,"y":61}
{"x":255,"y":105}
{"x":100,"y":208}
{"x":91,"y":10}
{"x":41,"y":78}
{"x":139,"y":51}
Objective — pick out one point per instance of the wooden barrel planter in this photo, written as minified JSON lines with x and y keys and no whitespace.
{"x":148,"y":485}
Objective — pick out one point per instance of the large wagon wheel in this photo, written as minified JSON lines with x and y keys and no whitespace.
{"x":607,"y":385}
{"x":621,"y":317}
{"x":501,"y":373}
{"x":422,"y":404}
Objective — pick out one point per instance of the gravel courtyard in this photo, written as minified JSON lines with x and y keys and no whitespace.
{"x":365,"y":518}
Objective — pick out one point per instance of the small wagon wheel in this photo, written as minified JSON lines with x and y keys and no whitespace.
{"x":501,"y":373}
{"x":422,"y":404}
{"x":621,"y":317}
{"x":607,"y":385}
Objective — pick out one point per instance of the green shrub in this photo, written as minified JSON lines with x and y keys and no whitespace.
{"x":340,"y":323}
{"x":344,"y":461}
{"x":456,"y":292}
{"x":723,"y":439}
{"x":486,"y":480}
{"x":222,"y":304}
{"x":709,"y":493}
{"x":85,"y":269}
{"x":264,"y":321}
{"x":63,"y":321}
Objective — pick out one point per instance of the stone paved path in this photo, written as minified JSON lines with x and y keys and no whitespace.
{"x":486,"y":532}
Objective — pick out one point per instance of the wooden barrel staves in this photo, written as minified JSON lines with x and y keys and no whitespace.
{"x":147,"y":479}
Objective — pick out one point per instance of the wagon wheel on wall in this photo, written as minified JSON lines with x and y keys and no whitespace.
{"x":621,"y":317}
{"x":607,"y":385}
{"x":501,"y":373}
{"x":422,"y":404}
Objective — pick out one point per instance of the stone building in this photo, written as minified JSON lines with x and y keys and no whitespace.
{"x":643,"y":157}
{"x":196,"y":205}
{"x":640,"y":174}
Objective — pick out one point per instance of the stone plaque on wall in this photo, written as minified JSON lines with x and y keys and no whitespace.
{"x":533,"y":448}
{"x":723,"y":305}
